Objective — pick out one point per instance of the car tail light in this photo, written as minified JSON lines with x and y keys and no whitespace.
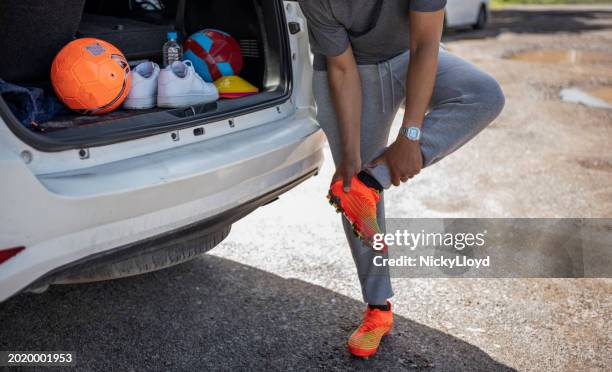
{"x":7,"y":253}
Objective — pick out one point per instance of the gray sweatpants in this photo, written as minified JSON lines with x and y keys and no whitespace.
{"x":465,"y":100}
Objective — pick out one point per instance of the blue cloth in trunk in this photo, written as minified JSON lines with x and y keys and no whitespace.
{"x":30,"y":105}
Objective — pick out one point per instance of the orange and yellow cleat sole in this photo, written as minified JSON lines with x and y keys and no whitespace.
{"x":359,"y":207}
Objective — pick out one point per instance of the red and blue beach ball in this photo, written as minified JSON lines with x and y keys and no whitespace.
{"x":214,"y":54}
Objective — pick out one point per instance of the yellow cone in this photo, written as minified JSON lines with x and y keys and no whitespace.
{"x":234,"y":87}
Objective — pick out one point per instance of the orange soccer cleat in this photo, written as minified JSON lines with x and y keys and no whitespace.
{"x":365,"y":340}
{"x":359,"y":208}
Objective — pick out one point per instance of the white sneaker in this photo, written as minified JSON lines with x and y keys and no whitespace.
{"x":180,"y":85}
{"x":143,"y":93}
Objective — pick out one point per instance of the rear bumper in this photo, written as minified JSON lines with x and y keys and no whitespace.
{"x":64,"y":218}
{"x":192,"y":232}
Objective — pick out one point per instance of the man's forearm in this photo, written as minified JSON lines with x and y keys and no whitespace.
{"x":345,"y":87}
{"x":420,"y":82}
{"x":425,"y":35}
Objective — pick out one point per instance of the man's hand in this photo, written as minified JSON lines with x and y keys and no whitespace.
{"x":403,"y":158}
{"x":348,"y":167}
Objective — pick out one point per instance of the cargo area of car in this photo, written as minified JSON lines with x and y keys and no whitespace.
{"x":32,"y":32}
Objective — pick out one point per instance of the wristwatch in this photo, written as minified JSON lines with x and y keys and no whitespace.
{"x":412,"y":133}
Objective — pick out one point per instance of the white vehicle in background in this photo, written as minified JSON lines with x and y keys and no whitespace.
{"x":467,"y":13}
{"x":103,"y":197}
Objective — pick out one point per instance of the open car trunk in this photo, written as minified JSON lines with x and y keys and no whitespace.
{"x":33,"y":31}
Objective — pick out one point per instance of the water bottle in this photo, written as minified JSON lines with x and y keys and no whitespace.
{"x":173,"y":51}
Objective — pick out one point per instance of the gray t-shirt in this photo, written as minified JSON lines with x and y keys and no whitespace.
{"x":377,"y":30}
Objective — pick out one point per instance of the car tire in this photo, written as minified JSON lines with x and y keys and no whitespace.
{"x":481,"y":21}
{"x":161,"y":256}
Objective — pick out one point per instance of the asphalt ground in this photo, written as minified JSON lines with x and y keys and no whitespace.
{"x":216,"y":314}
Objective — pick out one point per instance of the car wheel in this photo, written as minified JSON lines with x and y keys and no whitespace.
{"x":159,"y":256}
{"x":481,"y":22}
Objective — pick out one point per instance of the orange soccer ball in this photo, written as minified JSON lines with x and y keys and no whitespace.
{"x":91,"y":76}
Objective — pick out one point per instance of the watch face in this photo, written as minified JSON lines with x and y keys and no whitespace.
{"x":413,"y":133}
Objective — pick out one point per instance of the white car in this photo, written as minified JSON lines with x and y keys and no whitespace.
{"x":467,"y":13}
{"x":87,"y":198}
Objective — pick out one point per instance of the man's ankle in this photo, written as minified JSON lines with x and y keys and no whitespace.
{"x":384,"y":307}
{"x":369,"y":181}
